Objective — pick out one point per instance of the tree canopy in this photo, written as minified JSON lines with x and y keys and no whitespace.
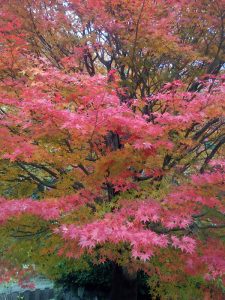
{"x":112,"y":139}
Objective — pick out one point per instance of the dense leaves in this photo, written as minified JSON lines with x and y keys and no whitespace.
{"x":112,"y":138}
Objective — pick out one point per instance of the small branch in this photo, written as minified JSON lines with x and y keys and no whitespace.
{"x":34,"y":177}
{"x":211,"y":155}
{"x":68,"y":146}
{"x":42,"y":167}
{"x":213,"y":226}
{"x":81,"y":166}
{"x":204,"y":128}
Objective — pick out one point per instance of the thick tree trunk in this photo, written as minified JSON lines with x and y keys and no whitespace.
{"x":124,"y":285}
{"x":113,"y":141}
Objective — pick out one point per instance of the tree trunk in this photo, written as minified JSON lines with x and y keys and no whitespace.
{"x":113,"y":141}
{"x":124,"y":285}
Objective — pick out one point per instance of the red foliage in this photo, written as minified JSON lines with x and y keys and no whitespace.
{"x":150,"y":169}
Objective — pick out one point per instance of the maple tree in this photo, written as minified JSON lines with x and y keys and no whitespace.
{"x":112,"y":139}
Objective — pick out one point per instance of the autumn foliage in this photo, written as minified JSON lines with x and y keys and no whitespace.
{"x":112,"y":138}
